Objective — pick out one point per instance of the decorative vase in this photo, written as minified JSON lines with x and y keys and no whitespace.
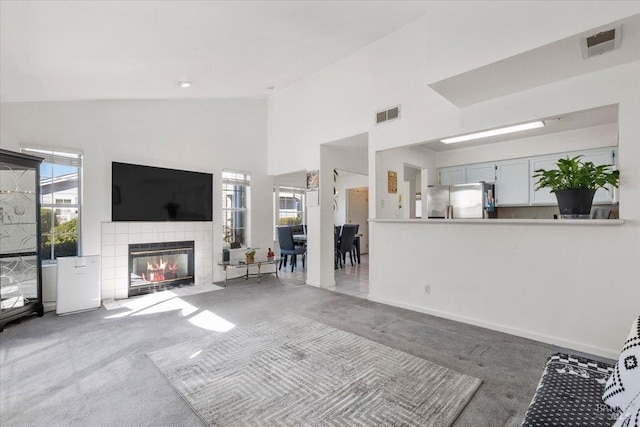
{"x":575,"y":203}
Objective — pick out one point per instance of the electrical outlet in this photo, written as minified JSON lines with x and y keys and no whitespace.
{"x":382,"y":203}
{"x":427,"y":289}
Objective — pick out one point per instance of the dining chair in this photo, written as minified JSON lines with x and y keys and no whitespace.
{"x":346,"y":243}
{"x":355,"y":252}
{"x":288,"y":247}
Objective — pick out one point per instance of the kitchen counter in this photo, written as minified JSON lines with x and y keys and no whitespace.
{"x":590,"y":222}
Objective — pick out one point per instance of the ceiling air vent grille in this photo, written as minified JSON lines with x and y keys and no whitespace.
{"x":387,"y":115}
{"x":601,"y":42}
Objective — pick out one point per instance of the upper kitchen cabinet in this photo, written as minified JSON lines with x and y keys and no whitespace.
{"x":481,"y":172}
{"x":543,"y":196}
{"x":452,"y":176}
{"x":512,"y":182}
{"x":468,"y":174}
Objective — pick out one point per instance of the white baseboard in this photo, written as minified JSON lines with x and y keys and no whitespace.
{"x":49,"y":306}
{"x":561,"y":342}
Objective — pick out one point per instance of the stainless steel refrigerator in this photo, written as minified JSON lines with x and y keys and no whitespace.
{"x":438,"y":201}
{"x":463,"y":201}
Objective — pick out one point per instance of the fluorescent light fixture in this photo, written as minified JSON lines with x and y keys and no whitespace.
{"x":184,"y":84}
{"x":494,"y":132}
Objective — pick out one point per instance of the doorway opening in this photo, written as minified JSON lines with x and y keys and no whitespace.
{"x":289,"y":210}
{"x":352,"y":208}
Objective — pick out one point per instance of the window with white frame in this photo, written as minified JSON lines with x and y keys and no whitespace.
{"x":60,"y":202}
{"x":290,"y":204}
{"x":235,"y":207}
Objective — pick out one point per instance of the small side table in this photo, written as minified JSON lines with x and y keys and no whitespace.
{"x":243,"y":264}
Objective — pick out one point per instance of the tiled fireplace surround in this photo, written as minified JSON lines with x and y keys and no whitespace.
{"x":116,"y":237}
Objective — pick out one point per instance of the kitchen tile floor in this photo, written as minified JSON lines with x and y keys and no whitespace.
{"x":354,"y":280}
{"x":350,"y":280}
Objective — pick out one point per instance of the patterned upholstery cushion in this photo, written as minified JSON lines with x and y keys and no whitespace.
{"x":622,"y":391}
{"x":570,"y":394}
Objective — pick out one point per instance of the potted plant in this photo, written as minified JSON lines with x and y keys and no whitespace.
{"x":575,"y":182}
{"x":250,"y":255}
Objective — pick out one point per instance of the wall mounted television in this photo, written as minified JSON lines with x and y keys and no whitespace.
{"x":147,"y":193}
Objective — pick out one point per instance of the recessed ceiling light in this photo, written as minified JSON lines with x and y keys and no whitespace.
{"x":493,"y":132}
{"x":184,"y":84}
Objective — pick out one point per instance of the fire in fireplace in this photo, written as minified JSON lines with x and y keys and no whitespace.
{"x":157,"y":266}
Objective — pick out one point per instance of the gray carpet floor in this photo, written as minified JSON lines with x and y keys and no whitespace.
{"x":91,"y":369}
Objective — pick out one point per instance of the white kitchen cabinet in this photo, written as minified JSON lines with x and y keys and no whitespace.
{"x":543,"y":196}
{"x":512,"y":183}
{"x":452,"y":175}
{"x":515,"y":185}
{"x":481,"y":172}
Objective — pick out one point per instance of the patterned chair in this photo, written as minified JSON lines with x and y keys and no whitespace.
{"x":570,"y":394}
{"x":575,"y":391}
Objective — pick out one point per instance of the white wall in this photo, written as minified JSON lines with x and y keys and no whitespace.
{"x":552,"y":283}
{"x":340,"y":101}
{"x":203,"y":136}
{"x":296,"y":179}
{"x":388,"y":205}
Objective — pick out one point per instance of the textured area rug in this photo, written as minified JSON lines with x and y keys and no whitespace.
{"x":292,"y":371}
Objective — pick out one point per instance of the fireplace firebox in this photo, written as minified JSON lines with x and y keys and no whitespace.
{"x":159,"y":266}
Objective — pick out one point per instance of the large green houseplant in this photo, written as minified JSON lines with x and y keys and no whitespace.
{"x":575,"y":182}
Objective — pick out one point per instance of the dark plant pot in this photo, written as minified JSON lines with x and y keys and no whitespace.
{"x":575,"y":202}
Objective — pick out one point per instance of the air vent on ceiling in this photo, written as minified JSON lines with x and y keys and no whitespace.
{"x":387,"y":115}
{"x":601,"y":42}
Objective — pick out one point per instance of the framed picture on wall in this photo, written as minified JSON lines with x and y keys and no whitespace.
{"x":313,"y":180}
{"x":392,"y":182}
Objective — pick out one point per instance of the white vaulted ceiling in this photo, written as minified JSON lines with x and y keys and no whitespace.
{"x":79,"y":50}
{"x":546,"y":64}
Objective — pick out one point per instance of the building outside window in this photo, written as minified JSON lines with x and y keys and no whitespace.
{"x":60,"y":202}
{"x":235,"y":207}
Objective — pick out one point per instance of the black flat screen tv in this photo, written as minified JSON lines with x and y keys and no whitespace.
{"x":146,"y":193}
